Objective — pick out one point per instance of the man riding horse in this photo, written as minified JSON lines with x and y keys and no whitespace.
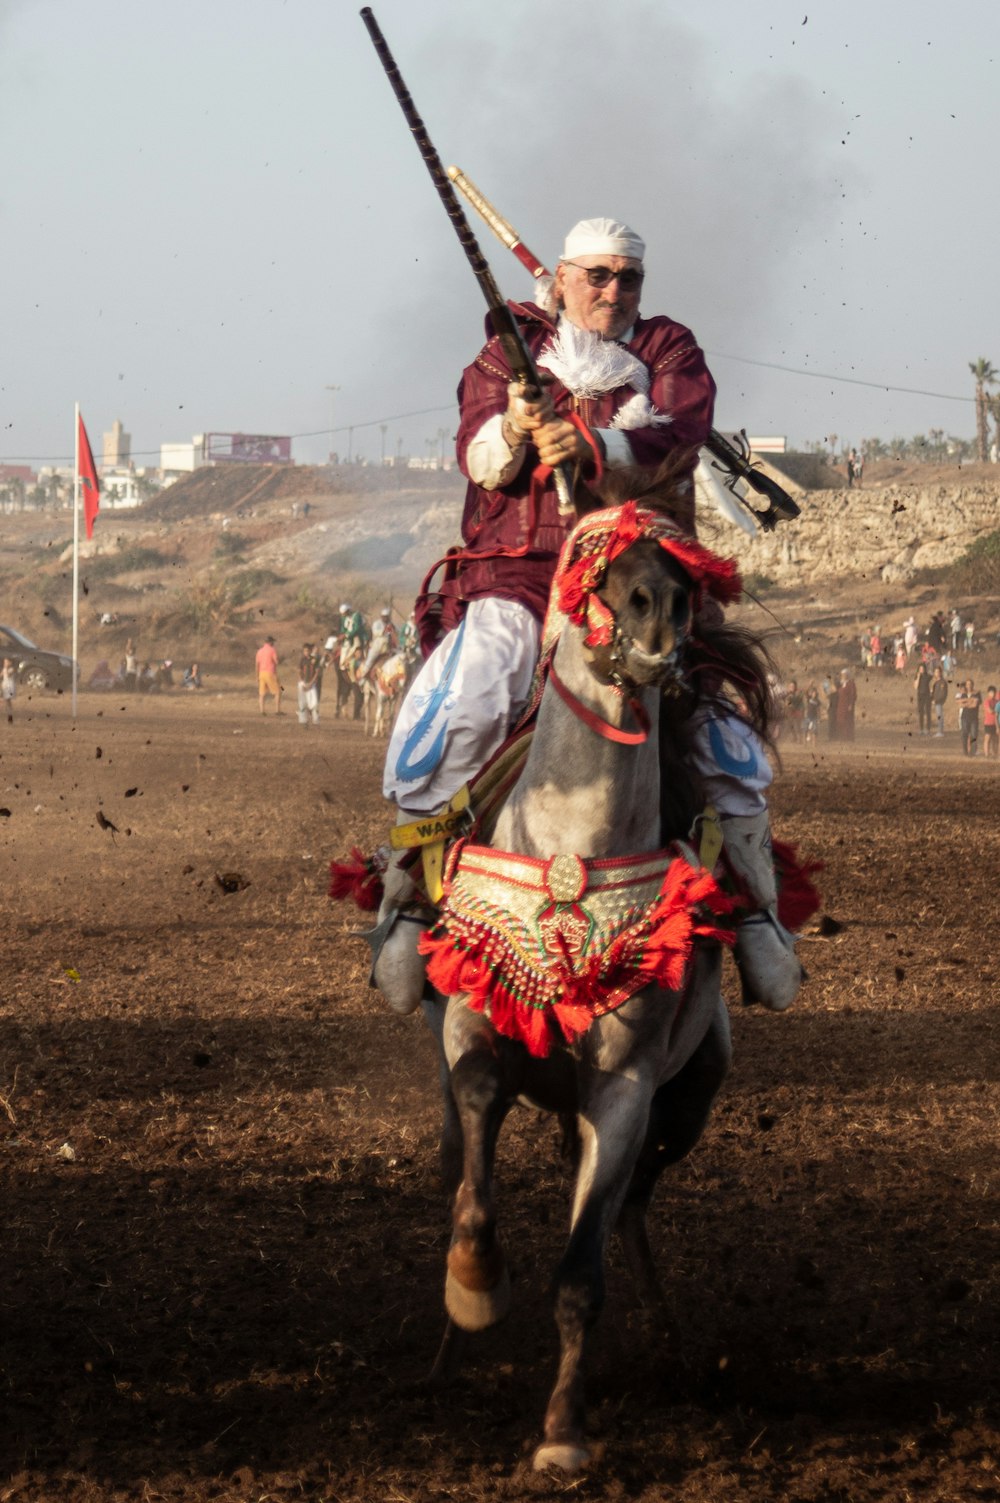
{"x":625,"y":391}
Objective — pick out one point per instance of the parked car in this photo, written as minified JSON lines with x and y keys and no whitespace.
{"x":36,"y":668}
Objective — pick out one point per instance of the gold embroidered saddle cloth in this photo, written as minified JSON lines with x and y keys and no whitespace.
{"x":544,"y":947}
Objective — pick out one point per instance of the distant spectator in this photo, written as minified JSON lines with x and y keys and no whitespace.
{"x":846,"y":700}
{"x":165,"y":674}
{"x":102,"y":677}
{"x":308,"y":687}
{"x":876,"y":647}
{"x":956,"y":630}
{"x":146,"y":679}
{"x":192,"y":676}
{"x":899,"y":654}
{"x":8,"y":687}
{"x":970,"y":632}
{"x":909,"y":636}
{"x":922,"y":684}
{"x":267,"y":675}
{"x":814,"y":708}
{"x":130,"y":666}
{"x":936,"y":632}
{"x":939,"y":698}
{"x":795,"y":710}
{"x":830,"y":693}
{"x":991,"y":736}
{"x":968,"y":700}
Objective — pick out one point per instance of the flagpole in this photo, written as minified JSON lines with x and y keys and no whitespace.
{"x":76,"y":550}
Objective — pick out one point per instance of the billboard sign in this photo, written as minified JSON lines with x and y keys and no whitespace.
{"x":247,"y":448}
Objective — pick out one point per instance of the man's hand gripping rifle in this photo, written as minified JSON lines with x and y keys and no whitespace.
{"x":519,"y":357}
{"x":736,"y":463}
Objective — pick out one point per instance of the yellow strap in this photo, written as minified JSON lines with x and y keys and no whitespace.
{"x":433,"y":828}
{"x":433,"y":860}
{"x":710,"y":847}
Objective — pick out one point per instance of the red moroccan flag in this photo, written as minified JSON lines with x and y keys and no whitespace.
{"x":88,"y":479}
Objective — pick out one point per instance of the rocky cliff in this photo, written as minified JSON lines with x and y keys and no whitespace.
{"x":888,"y":533}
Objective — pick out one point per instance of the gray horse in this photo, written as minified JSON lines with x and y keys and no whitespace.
{"x":640,"y":1081}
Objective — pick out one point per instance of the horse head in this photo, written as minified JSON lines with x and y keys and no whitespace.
{"x":631,"y":579}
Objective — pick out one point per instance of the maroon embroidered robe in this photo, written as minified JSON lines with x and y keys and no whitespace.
{"x":680,"y":386}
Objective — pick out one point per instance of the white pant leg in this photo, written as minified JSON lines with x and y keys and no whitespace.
{"x":733,"y":764}
{"x":459,"y":708}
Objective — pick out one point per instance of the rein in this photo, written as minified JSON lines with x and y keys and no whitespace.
{"x":594,"y":722}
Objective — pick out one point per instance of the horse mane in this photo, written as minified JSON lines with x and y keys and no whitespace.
{"x":668,"y":489}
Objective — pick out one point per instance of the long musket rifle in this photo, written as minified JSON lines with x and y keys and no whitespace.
{"x":519,"y":357}
{"x":738,"y":464}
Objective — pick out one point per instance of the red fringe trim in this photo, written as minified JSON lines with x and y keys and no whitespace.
{"x":359,"y":878}
{"x":656,"y":950}
{"x":798,"y":896}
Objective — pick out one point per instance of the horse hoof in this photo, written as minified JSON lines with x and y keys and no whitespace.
{"x":476,"y":1309}
{"x":567,"y":1457}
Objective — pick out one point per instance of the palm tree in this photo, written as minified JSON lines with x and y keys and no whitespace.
{"x":994,"y":406}
{"x":985,"y":375}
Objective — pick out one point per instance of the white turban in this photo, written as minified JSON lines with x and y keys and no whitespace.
{"x":602,"y":237}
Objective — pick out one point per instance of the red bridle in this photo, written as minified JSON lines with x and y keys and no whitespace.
{"x":594,"y":722}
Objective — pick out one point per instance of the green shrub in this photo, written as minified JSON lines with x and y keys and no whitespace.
{"x":978,"y":569}
{"x":231,"y":545}
{"x":250,"y":582}
{"x":126,"y":561}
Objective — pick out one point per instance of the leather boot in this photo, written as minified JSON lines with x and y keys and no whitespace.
{"x":769,"y":968}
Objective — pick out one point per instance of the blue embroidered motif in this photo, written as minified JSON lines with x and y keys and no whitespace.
{"x":408,"y":770}
{"x":736,"y":767}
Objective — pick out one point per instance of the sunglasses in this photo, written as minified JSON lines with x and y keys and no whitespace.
{"x":603,"y":276}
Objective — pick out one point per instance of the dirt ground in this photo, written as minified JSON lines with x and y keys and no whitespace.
{"x":223,"y":1232}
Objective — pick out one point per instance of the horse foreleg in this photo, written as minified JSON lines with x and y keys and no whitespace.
{"x":477,"y":1286}
{"x":450,"y":1152}
{"x":448,"y":1362}
{"x":678,"y":1114}
{"x":612,"y":1124}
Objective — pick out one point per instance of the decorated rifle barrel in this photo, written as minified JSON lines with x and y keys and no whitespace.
{"x":518,"y":355}
{"x":501,"y":227}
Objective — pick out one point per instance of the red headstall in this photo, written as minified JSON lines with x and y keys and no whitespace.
{"x":602,"y":536}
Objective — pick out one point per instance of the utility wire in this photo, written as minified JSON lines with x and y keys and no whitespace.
{"x":399,"y":417}
{"x":913,"y":391}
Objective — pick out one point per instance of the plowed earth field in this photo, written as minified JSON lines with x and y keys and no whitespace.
{"x":223,"y":1232}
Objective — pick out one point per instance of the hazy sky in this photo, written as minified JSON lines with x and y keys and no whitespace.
{"x":212,"y":210}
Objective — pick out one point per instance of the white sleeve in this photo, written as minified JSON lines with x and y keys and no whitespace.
{"x":489,"y":458}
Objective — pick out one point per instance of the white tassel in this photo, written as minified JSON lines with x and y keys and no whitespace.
{"x":639,"y":412}
{"x":588,"y":366}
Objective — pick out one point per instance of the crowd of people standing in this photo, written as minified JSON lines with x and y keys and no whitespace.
{"x":351,"y":650}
